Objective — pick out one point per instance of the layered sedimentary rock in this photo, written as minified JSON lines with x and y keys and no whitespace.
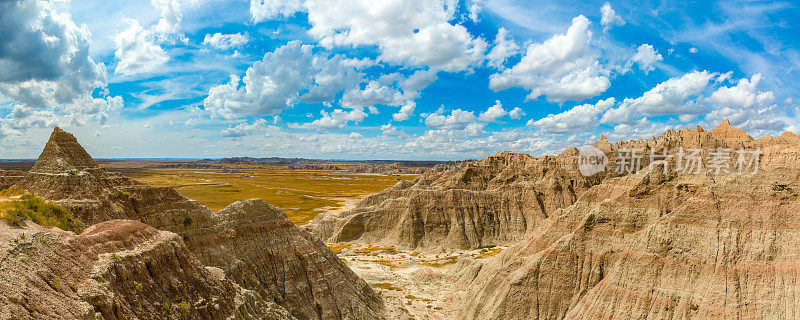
{"x":119,"y":269}
{"x":67,"y":174}
{"x":251,"y":241}
{"x":659,"y":246}
{"x":497,"y":200}
{"x":9,"y":178}
{"x":261,"y":248}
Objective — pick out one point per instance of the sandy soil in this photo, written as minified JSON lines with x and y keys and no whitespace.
{"x":414,"y":285}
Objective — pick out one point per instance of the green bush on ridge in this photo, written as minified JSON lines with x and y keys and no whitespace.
{"x":40,"y":211}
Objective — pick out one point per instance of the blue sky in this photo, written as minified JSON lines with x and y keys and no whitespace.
{"x":395,"y":79}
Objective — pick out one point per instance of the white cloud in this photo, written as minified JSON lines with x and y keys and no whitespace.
{"x":136,"y":50}
{"x":275,"y":82}
{"x":244,"y":128}
{"x":744,"y":95}
{"x":666,"y":98}
{"x":407,"y":32}
{"x":693,"y":50}
{"x":516,"y":113}
{"x":561,"y":68}
{"x":494,"y":112}
{"x":457,"y":120}
{"x":406,"y":111}
{"x":474,"y":12}
{"x":171,"y":15}
{"x":419,"y":80}
{"x":474,"y":129}
{"x":503,"y":48}
{"x":646,"y":56}
{"x":391,"y":131}
{"x":609,"y":17}
{"x":336,"y":119}
{"x":261,"y":10}
{"x":374,"y":93}
{"x":225,"y":41}
{"x":580,"y":118}
{"x":48,"y":73}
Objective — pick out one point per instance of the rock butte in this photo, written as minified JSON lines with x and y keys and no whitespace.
{"x":640,"y":246}
{"x":649,"y":245}
{"x":258,"y":264}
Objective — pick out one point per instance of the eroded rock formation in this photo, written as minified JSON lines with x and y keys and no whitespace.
{"x":119,"y":269}
{"x":658,"y":246}
{"x":253,"y":242}
{"x":494,"y":201}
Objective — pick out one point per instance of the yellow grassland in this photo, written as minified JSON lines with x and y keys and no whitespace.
{"x":301,"y":194}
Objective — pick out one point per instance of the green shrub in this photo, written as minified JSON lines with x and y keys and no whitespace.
{"x":10,"y":192}
{"x":694,"y":307}
{"x":40,"y":211}
{"x":73,"y":173}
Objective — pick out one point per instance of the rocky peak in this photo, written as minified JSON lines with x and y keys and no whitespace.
{"x":725,"y":131}
{"x":62,"y":154}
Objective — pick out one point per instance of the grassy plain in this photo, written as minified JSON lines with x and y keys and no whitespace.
{"x":301,"y":194}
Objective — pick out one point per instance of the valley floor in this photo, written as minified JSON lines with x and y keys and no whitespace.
{"x":414,"y":285}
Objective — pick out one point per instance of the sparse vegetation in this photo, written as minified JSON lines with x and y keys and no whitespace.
{"x":385,"y":286}
{"x":301,"y":194}
{"x":72,"y":173}
{"x":11,"y":192}
{"x":40,"y":211}
{"x":694,"y":307}
{"x":386,"y":263}
{"x":338,"y":247}
{"x":373,"y":250}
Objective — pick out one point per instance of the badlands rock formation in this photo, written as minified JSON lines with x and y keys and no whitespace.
{"x":261,"y":248}
{"x":119,"y":269}
{"x":251,"y":241}
{"x":659,"y":246}
{"x":497,"y":200}
{"x":66,"y":174}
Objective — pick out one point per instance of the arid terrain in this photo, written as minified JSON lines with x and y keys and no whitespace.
{"x":507,"y":237}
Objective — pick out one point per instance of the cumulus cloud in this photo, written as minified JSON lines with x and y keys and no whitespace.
{"x":457,"y":120}
{"x":244,"y":128}
{"x":48,"y":73}
{"x":646,"y":56}
{"x":406,"y":111}
{"x":516,"y":113}
{"x":748,"y":108}
{"x":561,"y":68}
{"x":667,"y":98}
{"x":406,"y":32}
{"x":225,"y":41}
{"x":374,"y":93}
{"x":744,"y":95}
{"x":275,"y":82}
{"x":391,"y":131}
{"x":503,"y":47}
{"x":261,"y":10}
{"x":136,"y":50}
{"x":609,"y":17}
{"x":494,"y":112}
{"x":580,"y":118}
{"x":336,"y":119}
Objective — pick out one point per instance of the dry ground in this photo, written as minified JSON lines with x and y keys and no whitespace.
{"x":414,"y":285}
{"x":301,"y":194}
